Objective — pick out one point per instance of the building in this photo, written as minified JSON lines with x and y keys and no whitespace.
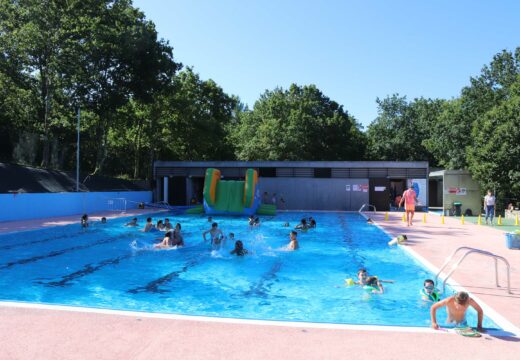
{"x":454,"y":186}
{"x":304,"y":185}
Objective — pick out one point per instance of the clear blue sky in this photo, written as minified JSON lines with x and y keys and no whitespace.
{"x":354,"y":51}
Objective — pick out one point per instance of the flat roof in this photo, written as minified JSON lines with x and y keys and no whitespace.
{"x":295,"y":164}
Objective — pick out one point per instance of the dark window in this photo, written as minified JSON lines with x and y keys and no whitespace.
{"x":267,"y":172}
{"x":322,"y":172}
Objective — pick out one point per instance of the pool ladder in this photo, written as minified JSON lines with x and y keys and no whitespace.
{"x":367,"y":205}
{"x":470,"y":250}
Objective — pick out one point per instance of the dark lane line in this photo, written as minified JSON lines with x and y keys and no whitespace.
{"x":87,"y":270}
{"x":358,"y":259}
{"x":57,"y":253}
{"x":13,"y":246}
{"x":153,"y":286}
{"x":260,"y":289}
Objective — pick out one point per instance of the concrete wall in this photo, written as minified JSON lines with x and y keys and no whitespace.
{"x":316,"y":194}
{"x":42,"y":205}
{"x":471,"y":200}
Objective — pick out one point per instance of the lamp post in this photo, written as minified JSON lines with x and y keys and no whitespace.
{"x":77,"y":152}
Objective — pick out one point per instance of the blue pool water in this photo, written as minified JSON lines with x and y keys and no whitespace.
{"x":112,"y":266}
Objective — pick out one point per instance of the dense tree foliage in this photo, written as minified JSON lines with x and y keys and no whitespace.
{"x":299,"y":123}
{"x":400,"y":129}
{"x":138,"y":105}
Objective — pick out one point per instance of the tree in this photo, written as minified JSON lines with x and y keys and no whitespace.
{"x":300,"y":123}
{"x":401,"y":128}
{"x":493,"y":160}
{"x":449,"y":136}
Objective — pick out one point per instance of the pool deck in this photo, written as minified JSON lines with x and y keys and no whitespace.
{"x":48,"y":333}
{"x":33,"y":224}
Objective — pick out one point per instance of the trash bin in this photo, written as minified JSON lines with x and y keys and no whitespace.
{"x":457,"y":206}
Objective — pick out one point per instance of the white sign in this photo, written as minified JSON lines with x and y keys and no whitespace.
{"x":356,"y":187}
{"x":347,"y":187}
{"x":380,"y":188}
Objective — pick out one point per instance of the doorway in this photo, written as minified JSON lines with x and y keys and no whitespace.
{"x":379,"y":194}
{"x":397,"y":188}
{"x":177,"y":190}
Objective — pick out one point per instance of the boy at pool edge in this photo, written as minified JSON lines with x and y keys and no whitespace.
{"x":456,"y":307}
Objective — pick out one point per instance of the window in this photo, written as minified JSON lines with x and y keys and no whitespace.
{"x":322,"y":172}
{"x":267,"y":172}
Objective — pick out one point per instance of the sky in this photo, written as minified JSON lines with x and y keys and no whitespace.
{"x":354,"y":51}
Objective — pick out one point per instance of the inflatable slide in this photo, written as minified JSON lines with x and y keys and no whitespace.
{"x":229,"y":196}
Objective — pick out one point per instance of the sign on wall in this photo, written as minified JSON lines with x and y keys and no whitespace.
{"x":419,"y":186}
{"x":457,"y":191}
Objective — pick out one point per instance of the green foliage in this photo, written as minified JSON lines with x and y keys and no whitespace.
{"x":297,"y":124}
{"x":400,"y":129}
{"x":448,"y":137}
{"x":494,"y":160}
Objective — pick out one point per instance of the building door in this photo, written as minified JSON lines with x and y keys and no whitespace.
{"x":379,"y":193}
{"x":177,"y":190}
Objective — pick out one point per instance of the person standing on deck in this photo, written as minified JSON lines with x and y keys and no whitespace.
{"x":409,"y":198}
{"x":489,"y":206}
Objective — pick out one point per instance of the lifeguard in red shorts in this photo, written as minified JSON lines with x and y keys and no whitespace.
{"x":409,"y":198}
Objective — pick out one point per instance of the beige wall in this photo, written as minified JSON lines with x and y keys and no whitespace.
{"x":457,"y":179}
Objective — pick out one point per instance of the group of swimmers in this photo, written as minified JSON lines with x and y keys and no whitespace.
{"x":86,"y":223}
{"x":456,"y":305}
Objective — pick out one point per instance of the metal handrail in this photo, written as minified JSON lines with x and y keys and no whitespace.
{"x":474,"y":251}
{"x":369,"y":205}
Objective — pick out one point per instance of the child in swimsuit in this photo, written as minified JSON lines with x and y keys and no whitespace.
{"x":428,"y":292}
{"x":456,"y":307}
{"x":239,"y":249}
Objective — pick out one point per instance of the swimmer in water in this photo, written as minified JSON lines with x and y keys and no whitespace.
{"x":166,"y":242}
{"x":149,"y":225}
{"x":428,"y":292}
{"x":239,"y":249}
{"x":177,"y":238}
{"x":217,"y":236}
{"x":373,"y":285}
{"x":84,"y":221}
{"x":312,"y":223}
{"x":160,"y":225}
{"x":254,"y":221}
{"x":103,"y":220}
{"x":293,"y":244}
{"x":362,"y":277}
{"x":167,"y":224}
{"x":210,"y":219}
{"x":132,"y":223}
{"x":302,"y":225}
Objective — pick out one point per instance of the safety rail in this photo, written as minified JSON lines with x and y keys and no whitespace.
{"x":471,"y":250}
{"x":368,"y":205}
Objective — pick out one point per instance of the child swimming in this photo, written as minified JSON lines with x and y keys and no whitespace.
{"x":239,"y":249}
{"x":429,"y":292}
{"x":373,"y":285}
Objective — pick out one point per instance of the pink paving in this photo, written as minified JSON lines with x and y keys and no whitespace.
{"x":32,"y":224}
{"x":54,"y":334}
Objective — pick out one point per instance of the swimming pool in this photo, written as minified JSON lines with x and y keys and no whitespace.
{"x":113,"y":267}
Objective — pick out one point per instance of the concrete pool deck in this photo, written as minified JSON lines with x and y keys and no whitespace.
{"x":33,"y":224}
{"x":47,"y":333}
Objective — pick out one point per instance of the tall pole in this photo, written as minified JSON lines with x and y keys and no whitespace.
{"x":77,"y":153}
